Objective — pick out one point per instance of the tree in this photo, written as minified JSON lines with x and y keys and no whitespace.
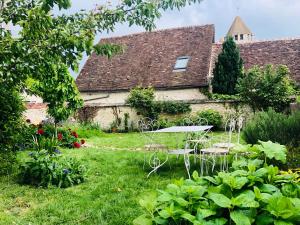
{"x":267,"y":87}
{"x":228,"y":68}
{"x":48,"y":45}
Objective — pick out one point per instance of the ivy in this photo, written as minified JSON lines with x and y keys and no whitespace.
{"x":143,"y":100}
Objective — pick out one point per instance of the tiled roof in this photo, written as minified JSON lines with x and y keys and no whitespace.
{"x":149,"y":59}
{"x":286,"y":52}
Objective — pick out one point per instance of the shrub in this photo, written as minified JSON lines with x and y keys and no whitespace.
{"x":142,"y":99}
{"x":44,"y":169}
{"x":228,"y":68}
{"x":174,"y":108}
{"x":277,"y":127}
{"x":10,"y":125}
{"x":48,"y":137}
{"x":254,"y":193}
{"x":266,"y":87}
{"x":213,"y":118}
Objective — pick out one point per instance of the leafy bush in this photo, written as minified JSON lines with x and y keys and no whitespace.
{"x":267,"y":87}
{"x":143,"y":100}
{"x":10,"y":125}
{"x":44,"y":169}
{"x":277,"y":127}
{"x":173,"y":108}
{"x":254,"y":193}
{"x":213,"y":118}
{"x":48,"y":137}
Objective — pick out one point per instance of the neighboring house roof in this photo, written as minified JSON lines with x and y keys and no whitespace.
{"x":149,"y":59}
{"x":238,"y":27}
{"x":286,"y":52}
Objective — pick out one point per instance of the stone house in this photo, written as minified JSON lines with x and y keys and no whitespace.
{"x":178,"y":63}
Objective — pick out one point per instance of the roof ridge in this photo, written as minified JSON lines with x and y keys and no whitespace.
{"x":270,"y":40}
{"x":158,"y":31}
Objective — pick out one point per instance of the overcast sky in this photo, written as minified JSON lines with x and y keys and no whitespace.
{"x":267,"y":19}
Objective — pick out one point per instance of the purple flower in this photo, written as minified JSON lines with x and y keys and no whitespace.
{"x":57,"y":151}
{"x":66,"y":171}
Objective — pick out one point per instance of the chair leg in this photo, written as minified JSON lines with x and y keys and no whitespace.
{"x":187,"y":164}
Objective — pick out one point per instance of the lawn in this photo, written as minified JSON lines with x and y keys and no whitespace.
{"x":115,"y":181}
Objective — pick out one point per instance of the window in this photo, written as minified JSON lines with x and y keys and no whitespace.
{"x":181,"y":63}
{"x":236,"y":37}
{"x":241,"y":37}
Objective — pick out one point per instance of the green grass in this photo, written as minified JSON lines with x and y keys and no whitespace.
{"x":116,"y":180}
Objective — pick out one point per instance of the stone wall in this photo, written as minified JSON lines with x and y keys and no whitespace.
{"x":35,"y":112}
{"x":119,"y":98}
{"x":106,"y":115}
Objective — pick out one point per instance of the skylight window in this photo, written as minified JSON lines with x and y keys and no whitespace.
{"x":181,"y":63}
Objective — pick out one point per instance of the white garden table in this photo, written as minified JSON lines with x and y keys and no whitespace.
{"x":155,"y":162}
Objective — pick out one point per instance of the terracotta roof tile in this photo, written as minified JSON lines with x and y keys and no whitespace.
{"x":149,"y":59}
{"x":274,"y":52}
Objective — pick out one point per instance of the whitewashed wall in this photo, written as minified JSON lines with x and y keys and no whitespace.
{"x":119,"y":98}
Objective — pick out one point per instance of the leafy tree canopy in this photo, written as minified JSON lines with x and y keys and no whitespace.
{"x":48,"y":45}
{"x":228,"y":68}
{"x":267,"y":87}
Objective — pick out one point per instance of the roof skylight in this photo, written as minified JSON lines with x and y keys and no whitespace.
{"x":181,"y":63}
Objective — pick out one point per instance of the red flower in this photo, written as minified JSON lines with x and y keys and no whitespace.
{"x":74,"y":134}
{"x":82,"y":141}
{"x":59,"y":136}
{"x":76,"y":145}
{"x":40,"y":131}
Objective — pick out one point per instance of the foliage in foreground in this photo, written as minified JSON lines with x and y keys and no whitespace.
{"x":44,"y":169}
{"x":228,"y":68}
{"x":10,"y":125}
{"x":277,"y":127}
{"x":267,"y":87}
{"x":254,"y":193}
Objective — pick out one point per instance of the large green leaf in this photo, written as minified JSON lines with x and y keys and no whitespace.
{"x":234,"y":182}
{"x":220,"y":199}
{"x":245,"y":200}
{"x":240,"y":218}
{"x":217,"y":221}
{"x":268,"y":188}
{"x":280,"y":206}
{"x":148,"y":201}
{"x":204,"y":213}
{"x":273,"y":150}
{"x":142,"y":220}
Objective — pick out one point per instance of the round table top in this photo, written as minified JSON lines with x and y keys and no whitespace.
{"x":214,"y":150}
{"x":223,"y":145}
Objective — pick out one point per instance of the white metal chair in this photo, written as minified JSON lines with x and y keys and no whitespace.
{"x":146,"y":127}
{"x":217,"y":151}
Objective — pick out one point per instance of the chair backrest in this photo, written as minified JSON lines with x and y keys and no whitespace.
{"x":239,"y":123}
{"x":146,"y":127}
{"x":201,"y":122}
